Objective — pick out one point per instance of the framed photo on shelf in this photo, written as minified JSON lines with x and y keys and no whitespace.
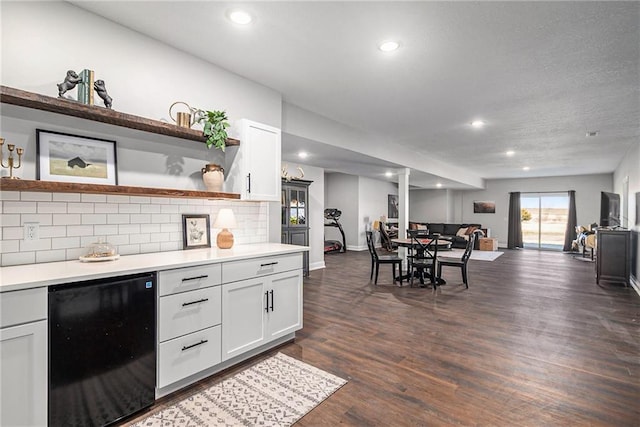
{"x":196,"y":231}
{"x":65,"y":157}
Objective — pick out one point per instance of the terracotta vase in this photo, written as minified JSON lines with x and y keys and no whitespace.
{"x":213,"y":177}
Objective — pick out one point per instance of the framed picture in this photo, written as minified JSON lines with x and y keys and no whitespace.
{"x":196,"y":231}
{"x":392,"y":206}
{"x":73,"y":158}
{"x":484,"y":207}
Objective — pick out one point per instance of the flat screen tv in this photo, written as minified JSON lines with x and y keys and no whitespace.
{"x":609,"y":209}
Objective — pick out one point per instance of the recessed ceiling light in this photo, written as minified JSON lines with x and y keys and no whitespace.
{"x":439,"y":185}
{"x":510,"y":153}
{"x":388,"y":174}
{"x":388,"y":45}
{"x":477,"y":123}
{"x":592,"y":133}
{"x":240,"y":17}
{"x":526,"y":168}
{"x":302,"y":155}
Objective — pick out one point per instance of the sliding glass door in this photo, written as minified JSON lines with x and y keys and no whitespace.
{"x":544,"y":219}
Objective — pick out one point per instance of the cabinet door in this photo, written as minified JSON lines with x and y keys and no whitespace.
{"x":285,"y":304}
{"x":243,"y":307}
{"x":262,"y":161}
{"x":23,"y":375}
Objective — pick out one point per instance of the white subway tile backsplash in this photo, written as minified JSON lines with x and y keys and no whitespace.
{"x":9,"y":220}
{"x":149,"y":208}
{"x":128,"y":208}
{"x":80,"y":207}
{"x":65,"y":242}
{"x":149,"y":228}
{"x":7,"y":246}
{"x":79,"y":230}
{"x":69,"y":222}
{"x":19,"y":207}
{"x":68,"y":219}
{"x":118,"y":219}
{"x":146,"y":248}
{"x":103,"y":230}
{"x":139,"y":238}
{"x":9,"y":195}
{"x":129,"y":229}
{"x":50,"y":256}
{"x":116,"y":198}
{"x":12,"y":233}
{"x":139,"y":199}
{"x":35,"y":196}
{"x":106,"y":208}
{"x":52,"y":207}
{"x":53,"y":231}
{"x":66,"y":197}
{"x":94,"y":198}
{"x":140,"y":218}
{"x":18,"y":258}
{"x":94,"y":219}
{"x":35,"y":245}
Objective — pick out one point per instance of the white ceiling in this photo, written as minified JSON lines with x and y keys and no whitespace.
{"x":541,"y":74}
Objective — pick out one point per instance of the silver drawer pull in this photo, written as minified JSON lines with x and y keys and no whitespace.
{"x":187,"y":347}
{"x":268,"y":264}
{"x":186,"y":279}
{"x":184,"y":304}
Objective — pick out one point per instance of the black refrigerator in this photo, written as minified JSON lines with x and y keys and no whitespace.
{"x":102,"y":350}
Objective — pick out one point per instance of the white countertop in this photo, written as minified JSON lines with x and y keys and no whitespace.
{"x":37,"y":275}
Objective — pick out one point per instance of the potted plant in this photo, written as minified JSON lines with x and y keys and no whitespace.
{"x":215,"y":126}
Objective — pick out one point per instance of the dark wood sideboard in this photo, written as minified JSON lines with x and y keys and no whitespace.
{"x":613,"y":260}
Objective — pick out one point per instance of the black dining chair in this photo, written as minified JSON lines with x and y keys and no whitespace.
{"x":462,"y":262}
{"x":423,"y":256}
{"x":376,"y":260}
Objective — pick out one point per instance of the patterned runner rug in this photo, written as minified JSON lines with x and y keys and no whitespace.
{"x":275,"y":392}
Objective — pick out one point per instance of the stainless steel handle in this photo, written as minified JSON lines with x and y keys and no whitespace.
{"x":187,"y":347}
{"x":184,"y":304}
{"x":186,"y":279}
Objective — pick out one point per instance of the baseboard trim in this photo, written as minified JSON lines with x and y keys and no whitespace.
{"x":357,"y":248}
{"x":635,"y":284}
{"x":317,"y":266}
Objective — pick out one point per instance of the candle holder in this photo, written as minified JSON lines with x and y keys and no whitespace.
{"x":11,"y":166}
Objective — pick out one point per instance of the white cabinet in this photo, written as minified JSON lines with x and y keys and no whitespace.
{"x":253,"y":168}
{"x":23,"y":358}
{"x":257,"y":310}
{"x":189,"y":315}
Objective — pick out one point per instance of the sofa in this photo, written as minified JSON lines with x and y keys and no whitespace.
{"x":458,"y":234}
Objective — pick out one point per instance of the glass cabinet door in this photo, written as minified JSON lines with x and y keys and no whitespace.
{"x":297,"y":207}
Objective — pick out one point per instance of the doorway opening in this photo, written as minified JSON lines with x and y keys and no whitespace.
{"x":544,"y":219}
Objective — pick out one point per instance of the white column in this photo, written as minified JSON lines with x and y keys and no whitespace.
{"x":403,"y":208}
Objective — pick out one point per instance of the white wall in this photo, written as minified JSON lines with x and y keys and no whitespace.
{"x":372,"y":196}
{"x":587,"y":187}
{"x":428,"y":205}
{"x":629,"y":169}
{"x":341,"y":192}
{"x":316,"y":213}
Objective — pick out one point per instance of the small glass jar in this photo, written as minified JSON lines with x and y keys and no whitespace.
{"x":100,"y":249}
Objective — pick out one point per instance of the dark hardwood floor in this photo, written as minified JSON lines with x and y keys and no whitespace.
{"x":532,"y":342}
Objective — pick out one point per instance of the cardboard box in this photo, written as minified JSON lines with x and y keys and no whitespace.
{"x":488,"y":244}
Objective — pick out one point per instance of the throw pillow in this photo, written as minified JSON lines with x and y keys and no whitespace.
{"x":421,"y":227}
{"x":471,"y":229}
{"x":462,"y":232}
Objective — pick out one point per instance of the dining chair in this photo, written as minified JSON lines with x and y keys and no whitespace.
{"x":462,"y":262}
{"x":376,"y":260}
{"x":385,"y":238}
{"x":423,"y":256}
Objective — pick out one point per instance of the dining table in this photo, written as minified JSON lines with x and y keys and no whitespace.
{"x":412,"y":244}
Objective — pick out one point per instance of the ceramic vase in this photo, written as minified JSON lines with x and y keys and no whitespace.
{"x":213,"y":177}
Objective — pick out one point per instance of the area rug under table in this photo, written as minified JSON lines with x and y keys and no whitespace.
{"x":275,"y":392}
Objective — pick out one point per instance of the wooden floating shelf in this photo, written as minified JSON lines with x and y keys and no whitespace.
{"x":7,"y":184}
{"x":68,"y":107}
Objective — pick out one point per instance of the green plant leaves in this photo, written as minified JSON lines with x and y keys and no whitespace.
{"x":215,"y":128}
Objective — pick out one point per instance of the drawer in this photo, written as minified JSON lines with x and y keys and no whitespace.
{"x":187,"y":312}
{"x":188,"y":355}
{"x":24,"y":306}
{"x":189,"y":278}
{"x":248,"y":269}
